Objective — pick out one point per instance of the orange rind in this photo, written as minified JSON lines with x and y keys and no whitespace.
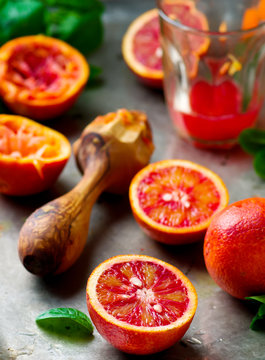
{"x":32,"y":155}
{"x":41,"y":77}
{"x":139,"y":304}
{"x":174,"y":201}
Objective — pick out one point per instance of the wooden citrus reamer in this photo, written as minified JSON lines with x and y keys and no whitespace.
{"x":109,"y":152}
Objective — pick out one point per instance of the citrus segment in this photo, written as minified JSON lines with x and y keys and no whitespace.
{"x":140,"y":304}
{"x":31,"y":155}
{"x":141,"y":46}
{"x":234,"y":248}
{"x":174,"y":200}
{"x":41,"y":77}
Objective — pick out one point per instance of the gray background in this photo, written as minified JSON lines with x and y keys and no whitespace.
{"x":220,"y":330}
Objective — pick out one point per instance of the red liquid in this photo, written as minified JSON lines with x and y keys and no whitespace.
{"x":216,"y":118}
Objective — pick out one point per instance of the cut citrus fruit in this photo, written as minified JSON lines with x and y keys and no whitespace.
{"x":141,"y":47}
{"x":41,"y":77}
{"x":174,"y":201}
{"x":186,"y":13}
{"x":31,"y":155}
{"x":234,"y":248}
{"x":140,"y":304}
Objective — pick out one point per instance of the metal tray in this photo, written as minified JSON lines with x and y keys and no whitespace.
{"x":220,"y":330}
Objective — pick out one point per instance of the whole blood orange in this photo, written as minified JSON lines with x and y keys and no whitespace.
{"x":234,"y":248}
{"x":140,"y":304}
{"x":174,"y":201}
{"x":41,"y":77}
{"x":31,"y":155}
{"x":141,"y":47}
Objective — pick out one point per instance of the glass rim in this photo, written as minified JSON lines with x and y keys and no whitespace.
{"x":182,"y":26}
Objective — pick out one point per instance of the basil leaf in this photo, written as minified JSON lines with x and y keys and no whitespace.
{"x":259,"y":163}
{"x":21,"y":17}
{"x":258,"y":322}
{"x":82,"y":30}
{"x":95,"y":71}
{"x":259,"y":298}
{"x":61,"y":23}
{"x":261,"y":312}
{"x":252,"y":140}
{"x":66,"y":321}
{"x":94,"y":79}
{"x":80,"y":5}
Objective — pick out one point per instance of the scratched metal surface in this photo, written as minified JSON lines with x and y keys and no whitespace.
{"x":220,"y":330}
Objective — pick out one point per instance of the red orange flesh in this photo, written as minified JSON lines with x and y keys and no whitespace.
{"x":140,"y":304}
{"x":174,"y":200}
{"x":141,"y":49}
{"x":141,"y":46}
{"x":41,"y":77}
{"x":31,"y":155}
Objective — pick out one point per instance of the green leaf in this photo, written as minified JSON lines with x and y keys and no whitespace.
{"x":65,"y":321}
{"x":261,"y":312}
{"x":18,"y":18}
{"x":252,"y":140}
{"x":95,"y":71}
{"x":62,"y":23}
{"x":258,"y":322}
{"x":259,"y":163}
{"x":81,"y":5}
{"x":259,"y":298}
{"x":83,"y":31}
{"x":94,"y":79}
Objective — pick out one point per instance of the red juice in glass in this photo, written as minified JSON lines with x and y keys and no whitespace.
{"x":212,"y":115}
{"x":214,"y":69}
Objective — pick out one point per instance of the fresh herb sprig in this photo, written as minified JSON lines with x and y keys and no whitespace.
{"x":66,"y":321}
{"x":253,"y":142}
{"x":258,"y":322}
{"x":77,"y":22}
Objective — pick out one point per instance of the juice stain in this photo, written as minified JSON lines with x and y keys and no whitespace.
{"x":4,"y":226}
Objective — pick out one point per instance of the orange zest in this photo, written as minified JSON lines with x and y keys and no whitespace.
{"x":31,"y":155}
{"x":41,"y":77}
{"x":174,"y":201}
{"x":141,"y":305}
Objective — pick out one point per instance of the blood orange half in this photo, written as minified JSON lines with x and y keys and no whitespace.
{"x":140,"y":304}
{"x":41,"y":77}
{"x":141,"y":47}
{"x":32,"y":155}
{"x":174,"y":201}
